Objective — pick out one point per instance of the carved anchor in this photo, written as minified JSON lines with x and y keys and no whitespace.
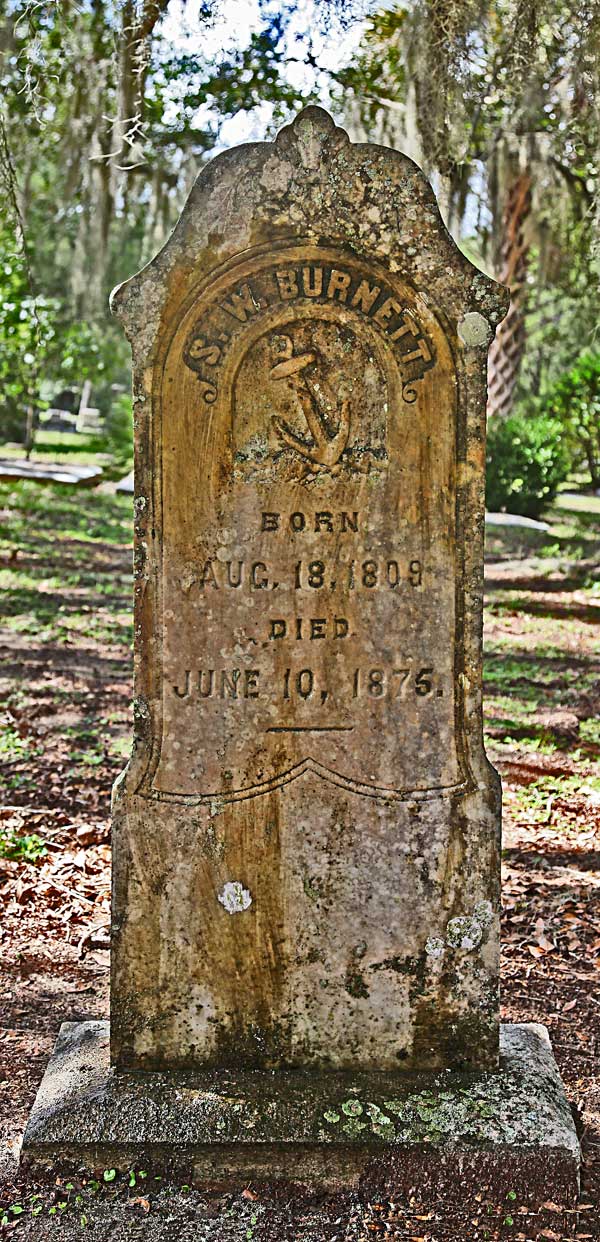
{"x":327,"y":449}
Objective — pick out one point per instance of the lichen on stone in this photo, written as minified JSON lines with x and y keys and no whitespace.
{"x":352,"y":1108}
{"x":435,"y":946}
{"x":234,"y":897}
{"x":467,"y":931}
{"x":353,"y":1127}
{"x":474,"y":330}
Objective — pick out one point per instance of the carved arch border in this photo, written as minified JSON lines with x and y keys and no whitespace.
{"x":296,"y":250}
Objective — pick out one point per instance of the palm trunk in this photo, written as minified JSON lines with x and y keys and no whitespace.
{"x":509,"y":343}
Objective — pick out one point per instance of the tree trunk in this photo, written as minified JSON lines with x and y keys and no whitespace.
{"x":29,"y":431}
{"x":507,"y":348}
{"x":593,"y":465}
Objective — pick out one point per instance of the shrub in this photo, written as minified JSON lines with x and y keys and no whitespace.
{"x":119,"y":434}
{"x":41,"y":346}
{"x":527,"y":458}
{"x":575,"y":401}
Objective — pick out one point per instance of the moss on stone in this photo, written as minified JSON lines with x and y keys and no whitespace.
{"x":355,"y":984}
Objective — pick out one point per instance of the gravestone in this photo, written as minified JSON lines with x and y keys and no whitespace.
{"x":306,"y":840}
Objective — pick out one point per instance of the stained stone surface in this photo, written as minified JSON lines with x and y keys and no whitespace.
{"x":306,"y":840}
{"x":505,"y":1130}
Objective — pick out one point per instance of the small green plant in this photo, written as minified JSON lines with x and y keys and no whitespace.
{"x":109,"y":1175}
{"x":527,"y":459}
{"x":29,"y":848}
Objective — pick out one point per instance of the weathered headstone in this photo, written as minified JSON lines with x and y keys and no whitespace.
{"x":306,"y":841}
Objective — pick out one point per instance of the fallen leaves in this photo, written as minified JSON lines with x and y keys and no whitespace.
{"x":69,"y":885}
{"x":140,"y":1202}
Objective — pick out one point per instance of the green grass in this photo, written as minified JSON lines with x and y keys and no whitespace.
{"x":573,"y":535}
{"x":75,"y":448}
{"x":36,"y":515}
{"x":13,"y":747}
{"x":540,"y":651}
{"x":67,"y":575}
{"x":66,"y":585}
{"x":579,"y":503}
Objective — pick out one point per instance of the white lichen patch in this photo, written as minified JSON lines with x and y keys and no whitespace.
{"x":466,"y":931}
{"x":141,"y":710}
{"x":474,"y":330}
{"x":435,"y":947}
{"x":276,"y":175}
{"x":234,"y":898}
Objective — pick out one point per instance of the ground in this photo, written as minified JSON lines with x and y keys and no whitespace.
{"x":66,"y":669}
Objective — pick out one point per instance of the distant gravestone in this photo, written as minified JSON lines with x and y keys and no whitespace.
{"x":66,"y":400}
{"x":306,"y":870}
{"x":89,"y":419}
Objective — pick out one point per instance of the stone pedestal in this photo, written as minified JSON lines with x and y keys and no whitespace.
{"x":383,"y":1133}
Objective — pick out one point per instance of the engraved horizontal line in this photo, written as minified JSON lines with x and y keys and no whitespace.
{"x":310,"y":729}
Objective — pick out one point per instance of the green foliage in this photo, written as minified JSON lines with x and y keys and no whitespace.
{"x":25,"y":336}
{"x":118,"y":431}
{"x":40,"y":344}
{"x":241,"y":79}
{"x":28,"y":848}
{"x":526,"y":462}
{"x":477,"y":92}
{"x":106,"y":119}
{"x":575,"y":401}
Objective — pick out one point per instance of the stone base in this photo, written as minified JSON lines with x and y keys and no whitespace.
{"x":381,"y":1133}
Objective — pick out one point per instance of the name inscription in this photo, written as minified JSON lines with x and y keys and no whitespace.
{"x":206,"y":346}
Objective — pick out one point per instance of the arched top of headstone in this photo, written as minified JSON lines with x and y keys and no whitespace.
{"x":312,"y":184}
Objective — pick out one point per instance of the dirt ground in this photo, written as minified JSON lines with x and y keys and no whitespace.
{"x":65,"y":648}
